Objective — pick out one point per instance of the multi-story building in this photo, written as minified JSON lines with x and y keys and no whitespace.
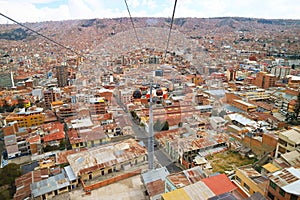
{"x":250,"y":181}
{"x":265,"y":80}
{"x":62,"y":75}
{"x":6,"y":80}
{"x":15,"y":144}
{"x":243,"y":105}
{"x":49,"y":97}
{"x":284,"y":184}
{"x":97,"y":105}
{"x":281,"y":71}
{"x":32,"y":116}
{"x":66,"y":110}
{"x":287,"y":141}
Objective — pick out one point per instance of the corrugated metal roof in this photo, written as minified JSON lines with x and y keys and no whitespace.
{"x":52,"y":183}
{"x":288,"y":179}
{"x":219,"y":184}
{"x":270,"y":167}
{"x":155,"y":174}
{"x":179,"y":194}
{"x":198,"y":191}
{"x":70,"y":173}
{"x":105,"y":156}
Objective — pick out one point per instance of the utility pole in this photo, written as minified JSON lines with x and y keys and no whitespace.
{"x":151,"y":134}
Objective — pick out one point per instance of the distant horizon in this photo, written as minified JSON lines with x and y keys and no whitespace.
{"x":32,"y":11}
{"x":251,"y":18}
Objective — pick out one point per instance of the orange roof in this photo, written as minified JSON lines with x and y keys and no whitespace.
{"x":55,"y":131}
{"x":34,"y":139}
{"x":54,"y":136}
{"x":219,"y":184}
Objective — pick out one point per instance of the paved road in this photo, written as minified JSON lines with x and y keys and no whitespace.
{"x":161,"y":156}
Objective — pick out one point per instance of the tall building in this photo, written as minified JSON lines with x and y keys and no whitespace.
{"x":97,"y":105}
{"x":265,"y":80}
{"x":6,"y":80}
{"x":49,"y":97}
{"x":62,"y":75}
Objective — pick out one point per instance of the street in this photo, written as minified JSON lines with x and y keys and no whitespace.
{"x":161,"y":157}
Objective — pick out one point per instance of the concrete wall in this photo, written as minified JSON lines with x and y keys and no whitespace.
{"x":246,"y":180}
{"x":109,"y":181}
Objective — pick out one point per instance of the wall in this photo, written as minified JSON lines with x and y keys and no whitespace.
{"x":277,"y":195}
{"x":245,"y":180}
{"x":110,"y":180}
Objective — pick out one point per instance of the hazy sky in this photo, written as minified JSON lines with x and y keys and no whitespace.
{"x":46,"y":10}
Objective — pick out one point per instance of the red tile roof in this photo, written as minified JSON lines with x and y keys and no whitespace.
{"x":55,"y":131}
{"x":34,"y":139}
{"x":219,"y":184}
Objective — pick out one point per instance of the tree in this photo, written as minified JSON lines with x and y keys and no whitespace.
{"x":157,"y":125}
{"x":180,"y":124}
{"x":8,"y":175}
{"x":165,"y":126}
{"x":20,"y":103}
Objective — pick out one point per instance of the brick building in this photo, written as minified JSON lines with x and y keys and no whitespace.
{"x":265,"y":80}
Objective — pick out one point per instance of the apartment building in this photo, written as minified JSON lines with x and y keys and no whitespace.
{"x":265,"y":80}
{"x":244,"y":106}
{"x":32,"y":116}
{"x":62,"y":75}
{"x":284,"y":184}
{"x":288,"y":141}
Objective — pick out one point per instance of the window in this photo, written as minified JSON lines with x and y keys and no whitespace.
{"x":293,"y":197}
{"x":272,"y":185}
{"x":270,"y":195}
{"x":247,"y":187}
{"x":238,"y":179}
{"x":281,"y":192}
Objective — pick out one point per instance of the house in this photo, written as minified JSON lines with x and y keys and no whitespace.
{"x":181,"y":179}
{"x":190,"y":147}
{"x":284,"y":184}
{"x":289,"y":159}
{"x":154,"y":182}
{"x":288,"y":140}
{"x":23,"y":183}
{"x":54,"y":134}
{"x":54,"y":185}
{"x":250,"y":181}
{"x":108,"y":158}
{"x":205,"y":189}
{"x":217,"y":122}
{"x":87,"y":137}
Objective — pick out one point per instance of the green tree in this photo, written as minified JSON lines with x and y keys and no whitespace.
{"x":157,"y":125}
{"x":20,"y":103}
{"x":165,"y":126}
{"x":8,"y":175}
{"x":180,"y":124}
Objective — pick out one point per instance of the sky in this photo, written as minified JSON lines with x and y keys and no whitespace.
{"x":56,"y":10}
